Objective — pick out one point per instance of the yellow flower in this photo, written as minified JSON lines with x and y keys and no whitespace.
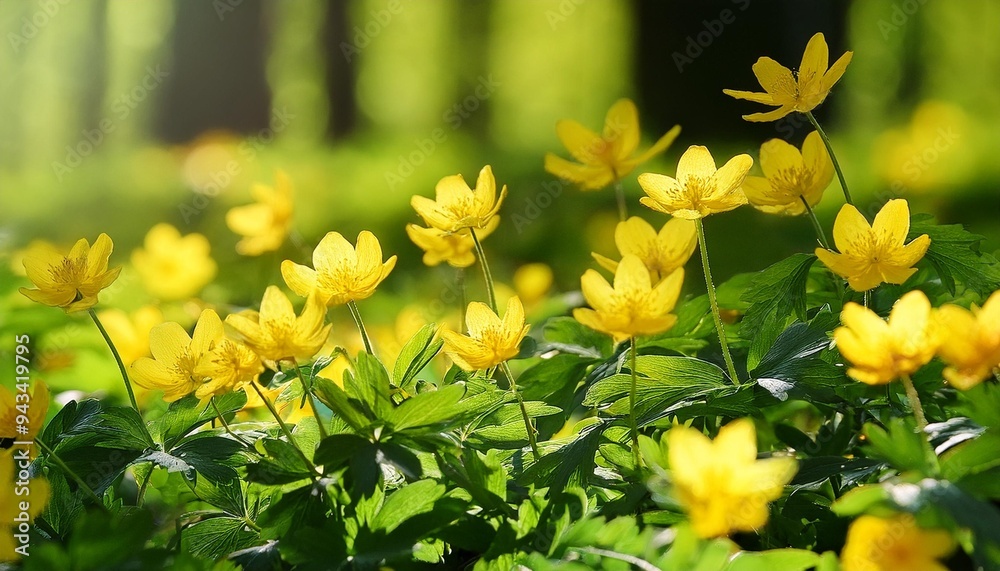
{"x":73,"y":281}
{"x":699,"y":189}
{"x":37,"y":496}
{"x":173,"y":267}
{"x":176,"y":355}
{"x":882,"y":351}
{"x":130,"y":333}
{"x":532,"y":282}
{"x":607,"y":157}
{"x":34,"y":405}
{"x":342,"y":273}
{"x":264,"y":224}
{"x":871,"y":255}
{"x":790,"y":176}
{"x":275,"y":333}
{"x":894,"y":544}
{"x":226,"y":368}
{"x":720,"y":483}
{"x":456,"y":248}
{"x":490,"y":341}
{"x":802,"y":91}
{"x":970,"y":342}
{"x":456,"y":206}
{"x":633,"y":306}
{"x":661,"y":253}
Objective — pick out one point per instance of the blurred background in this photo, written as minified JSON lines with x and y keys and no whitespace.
{"x":117,"y":115}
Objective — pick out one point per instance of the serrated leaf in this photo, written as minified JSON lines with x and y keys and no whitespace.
{"x":337,"y":400}
{"x":187,"y":414}
{"x":217,"y":537}
{"x":415,"y":355}
{"x":569,"y":335}
{"x":774,"y":296}
{"x":408,"y":501}
{"x":955,"y":255}
{"x":429,"y":408}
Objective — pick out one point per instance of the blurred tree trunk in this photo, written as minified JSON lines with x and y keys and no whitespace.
{"x":339,"y":72}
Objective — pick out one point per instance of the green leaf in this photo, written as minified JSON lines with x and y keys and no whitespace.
{"x":570,"y":336}
{"x":792,"y":366}
{"x":415,"y":355}
{"x":369,"y":385}
{"x":901,"y":446}
{"x":90,"y":423}
{"x":782,"y":559}
{"x":424,"y":409}
{"x":774,"y":296}
{"x":103,"y":541}
{"x":281,"y":464}
{"x":341,"y":404}
{"x":955,"y":255}
{"x":570,"y":464}
{"x":187,"y":414}
{"x":406,"y":502}
{"x":335,"y":450}
{"x":214,"y":457}
{"x":217,"y":537}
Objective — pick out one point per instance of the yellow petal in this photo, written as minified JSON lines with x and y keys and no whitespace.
{"x":836,"y":71}
{"x":663,"y":191}
{"x":892,"y":223}
{"x":250,"y":219}
{"x":772,"y":115}
{"x":730,"y":177}
{"x":666,"y":292}
{"x":776,"y":156}
{"x":621,"y":128}
{"x":168,"y":342}
{"x":605,"y":262}
{"x":816,"y":158}
{"x":369,"y":252}
{"x":591,"y":319}
{"x":580,"y":141}
{"x":910,"y":315}
{"x":207,"y":332}
{"x":331,"y":252}
{"x":775,"y":78}
{"x":759,"y":192}
{"x":97,"y":258}
{"x":696,"y":162}
{"x":632,"y":276}
{"x":596,"y":290}
{"x":850,"y":230}
{"x":635,"y":236}
{"x":479,"y":318}
{"x":815,"y":59}
{"x":275,"y":307}
{"x":658,"y":147}
{"x":765,"y":98}
{"x":451,"y":189}
{"x":513,"y":318}
{"x":912,"y":253}
{"x":689,"y":453}
{"x":301,"y":279}
{"x":737,"y":442}
{"x":589,"y":177}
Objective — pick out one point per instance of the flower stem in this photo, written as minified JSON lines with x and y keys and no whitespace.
{"x":69,"y":472}
{"x":524,"y":411}
{"x":833,"y":157}
{"x":118,"y":359}
{"x":816,"y":225}
{"x":719,"y":329}
{"x":312,"y":400}
{"x":284,"y":428}
{"x":353,"y":306}
{"x":460,"y":282}
{"x":914,"y":398}
{"x":633,"y":426}
{"x":622,"y":205}
{"x":225,"y":424}
{"x":491,"y":294}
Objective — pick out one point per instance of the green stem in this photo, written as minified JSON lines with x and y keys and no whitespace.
{"x":460,"y":281}
{"x":914,"y":398}
{"x":524,"y":411}
{"x":833,"y":157}
{"x":225,"y":424}
{"x":633,"y":425}
{"x":820,"y":234}
{"x":118,"y":359}
{"x":312,"y":400}
{"x":284,"y":428}
{"x":490,"y":293}
{"x":719,"y":329}
{"x":51,"y":454}
{"x":361,"y":326}
{"x":622,"y":205}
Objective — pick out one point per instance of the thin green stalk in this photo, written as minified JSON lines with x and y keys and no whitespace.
{"x":820,"y":234}
{"x":312,"y":399}
{"x":284,"y":428}
{"x":460,"y":281}
{"x":633,"y":425}
{"x":622,"y":205}
{"x":719,"y":329}
{"x":833,"y":157}
{"x":524,"y":412}
{"x":914,"y":398}
{"x":118,"y":359}
{"x":225,"y":424}
{"x":361,"y":326}
{"x":51,"y":454}
{"x":487,"y":276}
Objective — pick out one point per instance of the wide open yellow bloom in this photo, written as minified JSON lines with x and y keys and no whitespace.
{"x":633,"y":306}
{"x":226,"y":368}
{"x":73,"y":281}
{"x":174,"y":267}
{"x":342,"y":272}
{"x":37,"y":497}
{"x":790,"y":176}
{"x":37,"y":406}
{"x":456,"y":206}
{"x":789,"y":91}
{"x":176,"y":355}
{"x":130,"y":333}
{"x":883,"y":351}
{"x":608,"y":157}
{"x":970,"y":342}
{"x":264,"y":224}
{"x":894,"y":544}
{"x":661,"y":253}
{"x":490,"y":341}
{"x":455,"y":248}
{"x":875,"y":254}
{"x":720,"y":483}
{"x":699,"y":188}
{"x":276,"y":334}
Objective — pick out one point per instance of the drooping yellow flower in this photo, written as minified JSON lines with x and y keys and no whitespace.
{"x":130,"y":333}
{"x":882,"y":351}
{"x":720,"y":483}
{"x":276,"y":334}
{"x":699,"y":189}
{"x":342,"y":272}
{"x":176,"y":355}
{"x":73,"y":281}
{"x":800,"y":91}
{"x":455,"y":248}
{"x":171,"y":266}
{"x":790,"y":176}
{"x":894,"y":544}
{"x":633,"y":306}
{"x":607,"y":157}
{"x":490,"y":341}
{"x":264,"y":224}
{"x":456,"y":206}
{"x":970,"y":342}
{"x":34,"y":405}
{"x":875,"y":254}
{"x":36,"y":498}
{"x":661,"y":253}
{"x":226,"y":368}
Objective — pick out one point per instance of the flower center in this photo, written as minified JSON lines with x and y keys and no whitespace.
{"x":70,"y":272}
